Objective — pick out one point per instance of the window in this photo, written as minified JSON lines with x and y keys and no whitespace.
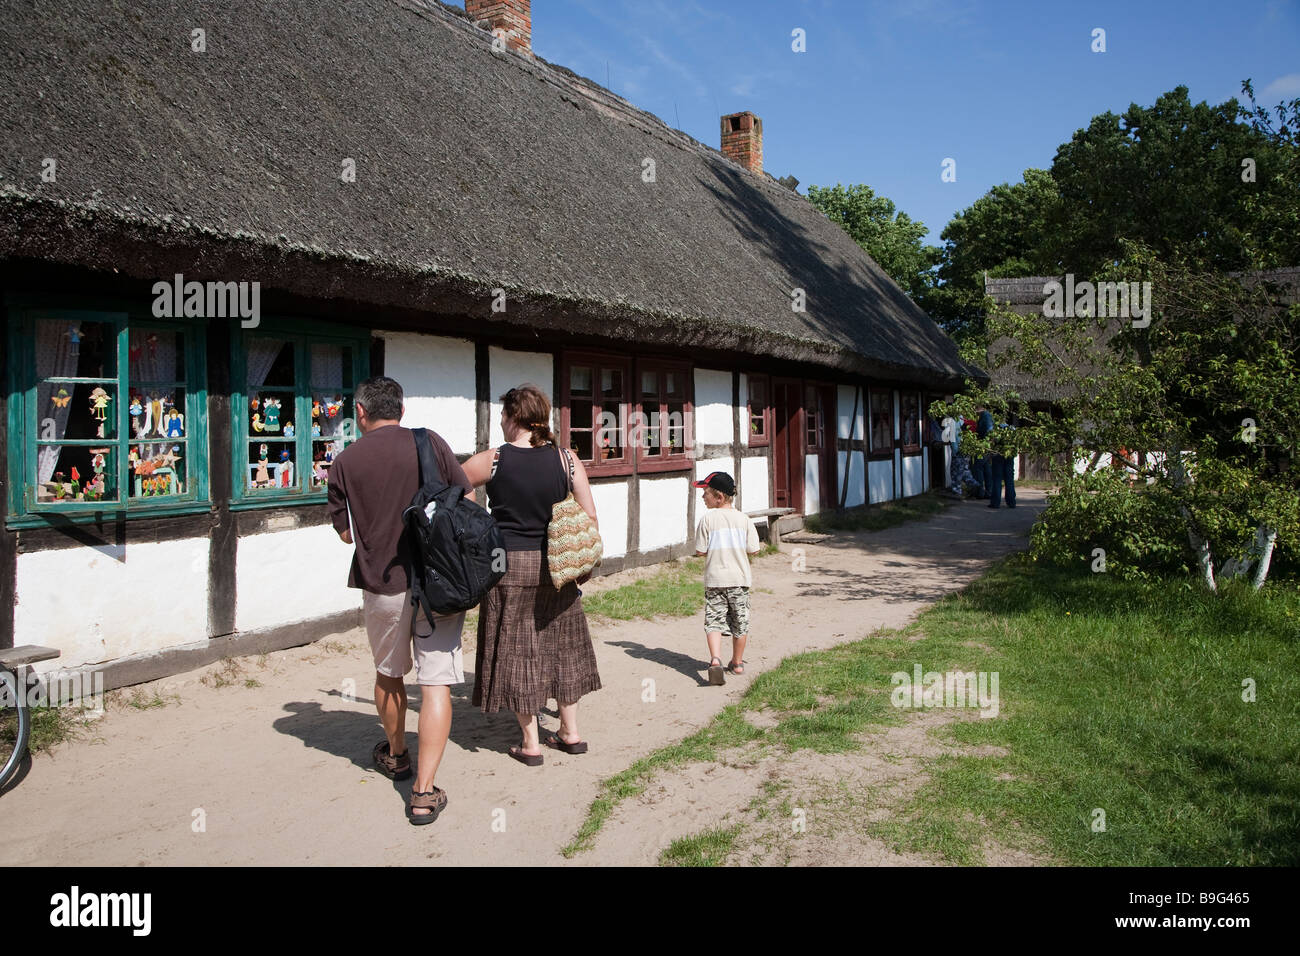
{"x":759,"y":433}
{"x":292,"y":402}
{"x":909,"y":414}
{"x":593,"y":412}
{"x":882,"y":422}
{"x":663,"y":416}
{"x":814,"y":417}
{"x":107,"y":413}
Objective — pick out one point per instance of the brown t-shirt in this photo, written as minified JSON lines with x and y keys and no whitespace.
{"x":375,"y":478}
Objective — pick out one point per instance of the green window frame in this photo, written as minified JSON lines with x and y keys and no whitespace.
{"x":112,"y":479}
{"x":252,"y":356}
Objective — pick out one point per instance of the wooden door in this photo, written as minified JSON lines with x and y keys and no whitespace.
{"x":787,"y":444}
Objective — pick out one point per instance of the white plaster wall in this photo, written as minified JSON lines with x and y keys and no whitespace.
{"x":857,"y":480}
{"x":100,"y":603}
{"x":714,"y":413}
{"x":437,"y":378}
{"x":880,"y":476}
{"x":704,"y":466}
{"x":611,"y":512}
{"x":508,"y":369}
{"x":812,"y":495}
{"x":663,"y":511}
{"x":844,"y":409}
{"x":283,"y":577}
{"x":753,"y":485}
{"x":913,"y":475}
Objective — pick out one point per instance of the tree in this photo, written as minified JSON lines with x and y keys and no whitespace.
{"x":890,"y":237}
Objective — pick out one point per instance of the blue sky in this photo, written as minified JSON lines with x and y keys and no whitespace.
{"x":888,"y":89}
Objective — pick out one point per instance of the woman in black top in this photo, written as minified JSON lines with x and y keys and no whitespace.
{"x":533,"y":643}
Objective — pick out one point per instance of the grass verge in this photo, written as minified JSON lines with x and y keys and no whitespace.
{"x":710,"y":848}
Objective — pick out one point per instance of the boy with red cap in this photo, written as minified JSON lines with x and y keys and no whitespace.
{"x":725,"y":538}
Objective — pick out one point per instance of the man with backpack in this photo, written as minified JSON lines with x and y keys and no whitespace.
{"x":374,"y":480}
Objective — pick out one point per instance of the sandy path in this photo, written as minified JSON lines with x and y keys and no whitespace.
{"x":280,"y":772}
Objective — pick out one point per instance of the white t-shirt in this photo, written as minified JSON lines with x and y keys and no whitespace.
{"x":727,"y":537}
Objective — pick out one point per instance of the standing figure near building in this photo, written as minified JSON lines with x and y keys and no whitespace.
{"x":374,"y":479}
{"x":533,"y":642}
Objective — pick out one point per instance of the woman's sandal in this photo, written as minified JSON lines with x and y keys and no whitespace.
{"x":556,"y":742}
{"x":716,"y":677}
{"x":435,"y":801}
{"x":528,"y":760}
{"x":737,"y":669}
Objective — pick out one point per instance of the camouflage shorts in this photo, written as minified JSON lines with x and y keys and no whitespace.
{"x":726,"y":611}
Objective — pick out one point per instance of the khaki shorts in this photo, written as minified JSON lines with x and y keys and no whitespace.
{"x":389,"y":620}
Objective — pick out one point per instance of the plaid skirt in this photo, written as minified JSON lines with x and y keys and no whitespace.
{"x":533,"y":643}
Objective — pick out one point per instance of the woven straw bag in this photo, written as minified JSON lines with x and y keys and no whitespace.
{"x":573,"y":546}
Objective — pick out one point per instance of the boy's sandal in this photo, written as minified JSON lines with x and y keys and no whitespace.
{"x":716,"y":677}
{"x":435,"y":801}
{"x":398,"y":768}
{"x":528,"y":760}
{"x":556,"y":742}
{"x":736,"y":669}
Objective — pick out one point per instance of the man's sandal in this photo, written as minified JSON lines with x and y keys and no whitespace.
{"x":716,"y":677}
{"x":435,"y":801}
{"x":398,"y":768}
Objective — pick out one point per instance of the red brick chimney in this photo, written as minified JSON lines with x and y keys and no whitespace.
{"x":742,"y":140}
{"x":512,"y":16}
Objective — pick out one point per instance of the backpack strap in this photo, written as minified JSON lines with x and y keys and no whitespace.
{"x":428,"y":460}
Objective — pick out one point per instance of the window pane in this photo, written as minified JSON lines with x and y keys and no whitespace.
{"x":155,"y":356}
{"x":676,"y":428}
{"x":332,"y":416}
{"x":651,"y":433}
{"x":649,"y":384}
{"x":323,"y":454}
{"x":611,"y":382}
{"x":909,"y":408}
{"x":75,"y":410}
{"x":882,"y":435}
{"x":580,"y":380}
{"x":157,"y":469}
{"x":580,"y":414}
{"x":580,"y":443}
{"x":76,"y":474}
{"x":271,"y":465}
{"x":331,"y":367}
{"x":270,"y":363}
{"x":156,"y":413}
{"x":611,"y":431}
{"x":75,"y":349}
{"x":675,"y":384}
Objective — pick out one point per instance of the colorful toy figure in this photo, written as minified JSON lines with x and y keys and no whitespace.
{"x":272,"y":406}
{"x":61,"y":398}
{"x":263,"y":477}
{"x":257,"y":423}
{"x":334,"y":407}
{"x":175,"y":425}
{"x":74,"y":334}
{"x":286,"y":470}
{"x":99,"y":402}
{"x":315,"y":408}
{"x":288,"y":429}
{"x":254,"y":404}
{"x":315,"y":429}
{"x":136,"y":407}
{"x":320,"y":473}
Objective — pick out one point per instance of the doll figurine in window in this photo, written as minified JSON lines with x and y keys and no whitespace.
{"x":175,"y":424}
{"x":272,"y":406}
{"x":263,"y":477}
{"x":315,"y":408}
{"x":315,"y":429}
{"x":285,"y":473}
{"x":320,"y":473}
{"x":288,"y":429}
{"x":99,"y":402}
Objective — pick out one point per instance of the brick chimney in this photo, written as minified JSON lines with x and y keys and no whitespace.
{"x":512,"y":16}
{"x":742,"y":140}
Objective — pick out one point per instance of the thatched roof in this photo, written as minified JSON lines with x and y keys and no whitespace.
{"x":474,"y":170}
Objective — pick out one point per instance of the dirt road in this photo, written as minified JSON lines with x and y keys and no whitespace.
{"x":273,"y":767}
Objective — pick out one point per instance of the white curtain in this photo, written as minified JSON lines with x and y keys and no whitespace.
{"x":327,"y":366}
{"x":56,"y":355}
{"x":262,"y":354}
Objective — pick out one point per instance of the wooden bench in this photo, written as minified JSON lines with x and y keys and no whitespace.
{"x":14,"y":657}
{"x":772,"y":515}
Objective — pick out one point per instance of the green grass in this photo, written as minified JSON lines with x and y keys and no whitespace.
{"x":878,"y":517}
{"x":676,"y":591}
{"x":710,"y":848}
{"x":1119,"y":696}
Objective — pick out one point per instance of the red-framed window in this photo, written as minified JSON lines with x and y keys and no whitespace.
{"x":909,"y":421}
{"x":595,"y":402}
{"x":758,"y":410}
{"x":880,"y":422}
{"x":814,"y":417}
{"x":664,"y":428}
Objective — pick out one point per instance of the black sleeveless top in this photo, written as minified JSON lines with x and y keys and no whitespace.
{"x":528,"y":482}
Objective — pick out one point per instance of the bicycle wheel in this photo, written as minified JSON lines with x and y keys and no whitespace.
{"x":15,"y":724}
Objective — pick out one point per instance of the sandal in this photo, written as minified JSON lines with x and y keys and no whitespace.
{"x":716,"y":677}
{"x":398,"y":768}
{"x":435,"y":801}
{"x":528,"y":760}
{"x":556,"y":742}
{"x":736,"y":669}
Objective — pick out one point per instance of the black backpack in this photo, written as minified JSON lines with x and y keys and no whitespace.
{"x":458,"y":554}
